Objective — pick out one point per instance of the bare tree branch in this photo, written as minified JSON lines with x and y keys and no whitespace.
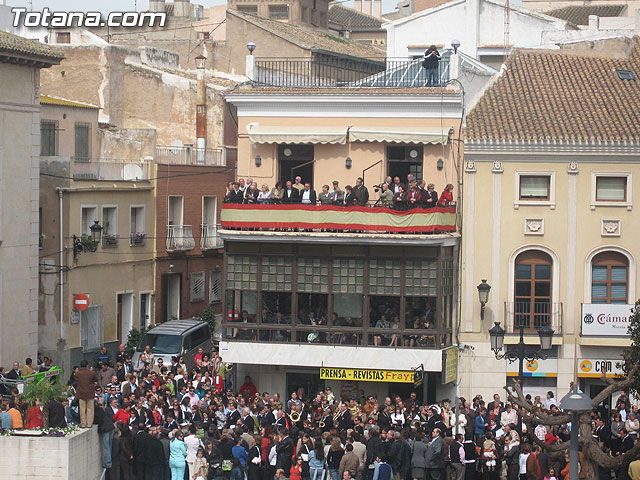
{"x":615,"y":386}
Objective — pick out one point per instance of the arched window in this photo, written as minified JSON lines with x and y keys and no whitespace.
{"x":532,"y":308}
{"x":609,"y":278}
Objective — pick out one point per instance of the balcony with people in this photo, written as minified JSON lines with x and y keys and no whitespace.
{"x":414,"y":208}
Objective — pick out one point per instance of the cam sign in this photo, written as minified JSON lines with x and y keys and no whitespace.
{"x":601,"y":319}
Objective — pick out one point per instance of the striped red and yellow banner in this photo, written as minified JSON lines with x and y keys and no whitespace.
{"x":328,"y":217}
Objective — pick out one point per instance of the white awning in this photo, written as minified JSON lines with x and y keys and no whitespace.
{"x":323,"y":135}
{"x":399,"y":135}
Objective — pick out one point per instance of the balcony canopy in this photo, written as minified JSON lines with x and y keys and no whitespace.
{"x":399,"y":135}
{"x":338,"y":135}
{"x":293,"y":135}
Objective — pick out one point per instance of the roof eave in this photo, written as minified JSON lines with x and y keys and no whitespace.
{"x":19,"y":58}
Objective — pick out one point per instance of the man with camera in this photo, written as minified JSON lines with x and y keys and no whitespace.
{"x":386,"y":196}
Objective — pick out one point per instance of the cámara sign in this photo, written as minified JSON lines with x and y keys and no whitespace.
{"x":601,"y":319}
{"x":366,"y":375}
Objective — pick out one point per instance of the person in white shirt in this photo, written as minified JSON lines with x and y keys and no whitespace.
{"x":550,"y":400}
{"x":192,"y":443}
{"x":509,"y":416}
{"x":307,"y":195}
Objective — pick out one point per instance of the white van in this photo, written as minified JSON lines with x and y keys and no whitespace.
{"x":175,"y":338}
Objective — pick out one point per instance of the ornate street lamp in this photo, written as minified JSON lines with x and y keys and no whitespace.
{"x":87,"y":243}
{"x":483,"y":293}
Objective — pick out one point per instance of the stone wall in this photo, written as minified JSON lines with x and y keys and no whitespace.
{"x":76,"y":457}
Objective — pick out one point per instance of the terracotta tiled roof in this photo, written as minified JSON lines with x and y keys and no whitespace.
{"x":563,"y":96}
{"x":310,"y":39}
{"x":349,"y":19}
{"x":579,"y":15}
{"x":15,"y":46}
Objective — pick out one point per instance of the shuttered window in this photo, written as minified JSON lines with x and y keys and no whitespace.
{"x":83,"y":142}
{"x":92,"y":328}
{"x":534,"y":187}
{"x":48,"y":138}
{"x":609,"y":274}
{"x":197,"y":287}
{"x":215,"y":287}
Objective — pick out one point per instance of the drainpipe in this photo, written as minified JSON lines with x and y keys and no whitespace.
{"x":201,"y":111}
{"x":61,"y":233}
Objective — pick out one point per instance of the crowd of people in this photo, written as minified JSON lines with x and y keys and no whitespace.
{"x":392,"y":193}
{"x":160,"y":421}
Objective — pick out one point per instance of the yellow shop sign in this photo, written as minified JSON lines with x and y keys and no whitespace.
{"x":367,"y":375}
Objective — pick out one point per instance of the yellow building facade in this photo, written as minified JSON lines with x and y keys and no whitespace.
{"x":549,"y":222}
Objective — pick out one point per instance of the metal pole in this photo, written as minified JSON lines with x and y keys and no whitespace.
{"x":521,"y":355}
{"x":573,"y":448}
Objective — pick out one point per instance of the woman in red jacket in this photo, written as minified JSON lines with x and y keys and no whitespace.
{"x":446,"y":197}
{"x":34,"y":417}
{"x":123,"y":414}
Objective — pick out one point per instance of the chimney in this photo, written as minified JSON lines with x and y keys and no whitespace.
{"x":594,"y":23}
{"x":366,"y":7}
{"x":181,"y":8}
{"x":357,"y":6}
{"x":157,"y":6}
{"x":201,"y":110}
{"x":377,"y":8}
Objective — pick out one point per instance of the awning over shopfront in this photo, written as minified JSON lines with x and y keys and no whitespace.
{"x":399,"y":135}
{"x":294,"y":135}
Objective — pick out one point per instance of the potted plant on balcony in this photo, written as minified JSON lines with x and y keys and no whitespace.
{"x":89,"y":243}
{"x":138,"y":238}
{"x":109,"y":240}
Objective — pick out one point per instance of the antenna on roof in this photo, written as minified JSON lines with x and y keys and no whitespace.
{"x":507,"y":19}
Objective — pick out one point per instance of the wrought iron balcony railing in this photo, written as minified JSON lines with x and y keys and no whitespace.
{"x":532,"y":315}
{"x":180,"y":238}
{"x":176,"y":155}
{"x":209,"y":238}
{"x":346,"y":73}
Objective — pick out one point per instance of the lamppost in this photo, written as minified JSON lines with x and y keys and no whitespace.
{"x":520,"y":354}
{"x":576,"y":402}
{"x":483,"y":293}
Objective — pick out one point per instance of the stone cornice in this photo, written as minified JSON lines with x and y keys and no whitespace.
{"x":550,"y":147}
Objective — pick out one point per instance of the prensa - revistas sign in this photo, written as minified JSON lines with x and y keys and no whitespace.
{"x":600,"y":319}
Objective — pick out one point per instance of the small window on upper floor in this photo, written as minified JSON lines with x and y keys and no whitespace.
{"x":82,"y":142}
{"x":279,"y":12}
{"x":48,"y":138}
{"x":611,"y":189}
{"x":535,"y":187}
{"x":250,"y":9}
{"x":63,"y":37}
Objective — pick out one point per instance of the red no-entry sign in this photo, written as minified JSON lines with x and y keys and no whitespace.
{"x":80,"y":302}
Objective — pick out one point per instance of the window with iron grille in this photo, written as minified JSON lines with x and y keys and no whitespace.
{"x":48,"y":138}
{"x":279,"y":12}
{"x":197,"y":287}
{"x":82,"y":142}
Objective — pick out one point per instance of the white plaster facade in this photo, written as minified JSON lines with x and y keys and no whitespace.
{"x":478,"y":24}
